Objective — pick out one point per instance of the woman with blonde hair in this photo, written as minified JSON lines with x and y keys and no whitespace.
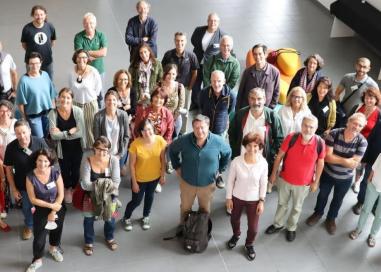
{"x":293,"y":112}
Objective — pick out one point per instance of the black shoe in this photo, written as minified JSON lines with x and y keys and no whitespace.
{"x":232,"y":242}
{"x":290,"y":235}
{"x":250,"y":253}
{"x":272,"y":229}
{"x":357,"y":208}
{"x":193,"y":107}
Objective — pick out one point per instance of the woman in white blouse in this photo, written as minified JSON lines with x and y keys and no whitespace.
{"x":293,"y":112}
{"x":86,"y":84}
{"x":246,"y":188}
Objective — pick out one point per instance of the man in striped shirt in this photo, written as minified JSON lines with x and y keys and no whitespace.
{"x":345,"y":148}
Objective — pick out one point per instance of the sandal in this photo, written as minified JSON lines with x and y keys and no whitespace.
{"x":88,"y":250}
{"x":112,"y":245}
{"x":371,"y":241}
{"x":354,"y":234}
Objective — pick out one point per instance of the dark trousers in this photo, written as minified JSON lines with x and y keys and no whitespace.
{"x":252,"y":219}
{"x":197,"y":88}
{"x":147,"y":189}
{"x":88,"y":229}
{"x":70,"y":165}
{"x":40,"y":218}
{"x":340,"y":188}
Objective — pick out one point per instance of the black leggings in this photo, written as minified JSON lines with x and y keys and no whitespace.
{"x":40,"y":218}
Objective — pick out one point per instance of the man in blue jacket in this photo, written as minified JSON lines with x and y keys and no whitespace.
{"x":197,"y":157}
{"x":141,"y":29}
{"x":216,"y":102}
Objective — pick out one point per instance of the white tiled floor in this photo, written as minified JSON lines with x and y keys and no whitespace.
{"x":301,"y":24}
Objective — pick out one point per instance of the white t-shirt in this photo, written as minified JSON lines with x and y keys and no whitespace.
{"x":112,"y":131}
{"x":377,"y":173}
{"x":206,"y":40}
{"x":254,"y":125}
{"x":5,"y":69}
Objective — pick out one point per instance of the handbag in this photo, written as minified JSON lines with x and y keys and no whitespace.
{"x":78,"y":197}
{"x":341,"y":115}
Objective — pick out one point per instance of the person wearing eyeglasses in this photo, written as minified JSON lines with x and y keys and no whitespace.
{"x":98,"y":164}
{"x":293,"y":112}
{"x":35,"y":96}
{"x":86,"y":84}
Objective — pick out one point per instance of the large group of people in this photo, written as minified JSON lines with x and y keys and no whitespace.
{"x":72,"y":145}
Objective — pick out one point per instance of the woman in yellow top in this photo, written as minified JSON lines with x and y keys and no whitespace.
{"x":147,"y":166}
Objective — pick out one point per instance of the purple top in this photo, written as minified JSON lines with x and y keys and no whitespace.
{"x":46,"y":192}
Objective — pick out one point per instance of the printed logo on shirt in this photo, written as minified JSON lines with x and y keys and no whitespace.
{"x":40,"y":38}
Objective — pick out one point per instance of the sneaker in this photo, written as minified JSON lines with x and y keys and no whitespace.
{"x":169,"y":169}
{"x":183,"y":111}
{"x":354,"y":234}
{"x":371,"y":241}
{"x":313,"y":219}
{"x":158,"y":188}
{"x":51,"y":225}
{"x":27,"y":233}
{"x":68,"y":196}
{"x":290,"y":235}
{"x":220,"y":183}
{"x":3,"y":215}
{"x":356,"y":187}
{"x":232,"y":242}
{"x":146,"y":225}
{"x":357,"y":208}
{"x":128,"y":224}
{"x":250,"y":252}
{"x":34,"y":266}
{"x":56,"y":254}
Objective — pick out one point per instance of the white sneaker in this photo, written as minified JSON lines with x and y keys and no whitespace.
{"x":56,"y":254}
{"x":146,"y":225}
{"x":51,"y":225}
{"x":158,"y":188}
{"x":3,"y":215}
{"x":128,"y":224}
{"x":183,"y":111}
{"x":34,"y":266}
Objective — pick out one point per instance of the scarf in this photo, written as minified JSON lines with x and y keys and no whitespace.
{"x":304,"y":81}
{"x":144,"y":76}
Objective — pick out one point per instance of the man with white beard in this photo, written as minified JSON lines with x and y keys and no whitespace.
{"x":303,"y":162}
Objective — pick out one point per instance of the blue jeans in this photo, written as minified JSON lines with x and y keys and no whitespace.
{"x":340,"y":188}
{"x":39,"y":125}
{"x":88,"y":228}
{"x":26,"y":209}
{"x":146,"y":189}
{"x":363,"y":184}
{"x":178,"y":125}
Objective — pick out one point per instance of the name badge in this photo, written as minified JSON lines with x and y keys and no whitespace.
{"x":216,"y":45}
{"x":50,"y":185}
{"x":27,"y":151}
{"x":354,"y":87}
{"x":325,"y":109}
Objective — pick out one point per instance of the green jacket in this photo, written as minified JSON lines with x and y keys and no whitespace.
{"x":230,"y":67}
{"x":156,"y":75}
{"x":274,"y":133}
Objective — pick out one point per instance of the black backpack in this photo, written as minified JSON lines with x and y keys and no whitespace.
{"x":197,"y":231}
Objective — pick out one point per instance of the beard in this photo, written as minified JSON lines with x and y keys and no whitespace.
{"x":307,"y":137}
